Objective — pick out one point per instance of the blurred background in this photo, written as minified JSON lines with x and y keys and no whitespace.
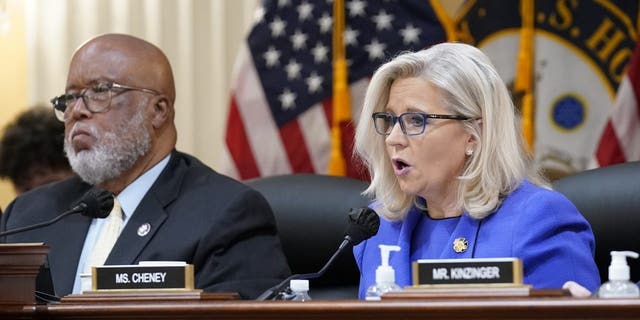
{"x":200,"y":37}
{"x":565,"y":60}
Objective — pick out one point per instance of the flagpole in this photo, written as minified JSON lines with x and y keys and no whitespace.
{"x":445,"y":20}
{"x":524,"y":71}
{"x":341,"y":104}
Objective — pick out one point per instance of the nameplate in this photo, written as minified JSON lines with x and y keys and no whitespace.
{"x":142,"y":277}
{"x":499,"y":271}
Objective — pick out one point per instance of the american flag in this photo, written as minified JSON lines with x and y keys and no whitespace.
{"x":620,"y":141}
{"x":280,"y":111}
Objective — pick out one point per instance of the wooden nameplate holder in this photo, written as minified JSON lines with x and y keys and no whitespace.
{"x":469,"y":278}
{"x":19,"y":267}
{"x":132,"y":297}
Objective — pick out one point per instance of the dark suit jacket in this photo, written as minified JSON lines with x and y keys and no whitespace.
{"x":222,"y":227}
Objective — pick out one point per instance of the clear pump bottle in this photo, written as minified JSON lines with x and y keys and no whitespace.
{"x":300,"y":290}
{"x":385,"y":276}
{"x":619,"y":285}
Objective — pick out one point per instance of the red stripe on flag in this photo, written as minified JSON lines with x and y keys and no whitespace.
{"x":239,"y":146}
{"x":293,"y":141}
{"x":612,"y":147}
{"x":327,"y":105}
{"x":609,"y":150}
{"x":633,"y":74}
{"x":355,"y":167}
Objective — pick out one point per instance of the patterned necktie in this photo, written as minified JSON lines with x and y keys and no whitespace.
{"x":108,"y":236}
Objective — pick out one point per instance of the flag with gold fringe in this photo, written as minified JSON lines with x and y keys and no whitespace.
{"x":563,"y":61}
{"x":294,"y":101}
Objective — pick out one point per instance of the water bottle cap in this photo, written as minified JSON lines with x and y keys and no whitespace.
{"x":299,"y":285}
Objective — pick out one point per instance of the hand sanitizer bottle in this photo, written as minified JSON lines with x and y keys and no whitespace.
{"x":385,"y":275}
{"x":619,"y":285}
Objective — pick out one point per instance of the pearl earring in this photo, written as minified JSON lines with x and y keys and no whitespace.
{"x":469,"y":152}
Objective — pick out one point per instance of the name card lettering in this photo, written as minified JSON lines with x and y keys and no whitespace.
{"x":467,"y":271}
{"x":141,"y":277}
{"x":136,"y":277}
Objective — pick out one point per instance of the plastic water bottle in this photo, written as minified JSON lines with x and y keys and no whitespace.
{"x":619,"y":285}
{"x":385,"y":276}
{"x":300,"y":290}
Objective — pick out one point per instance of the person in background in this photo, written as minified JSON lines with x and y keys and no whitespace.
{"x":452,"y":178}
{"x":118,"y":112}
{"x":31,"y":152}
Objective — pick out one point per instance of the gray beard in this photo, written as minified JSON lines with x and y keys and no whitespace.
{"x":114,"y":152}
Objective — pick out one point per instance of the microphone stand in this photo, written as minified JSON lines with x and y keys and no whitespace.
{"x":277,"y":289}
{"x":76,"y":209}
{"x":98,"y":202}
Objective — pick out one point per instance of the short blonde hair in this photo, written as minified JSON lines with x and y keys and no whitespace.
{"x":470,"y":86}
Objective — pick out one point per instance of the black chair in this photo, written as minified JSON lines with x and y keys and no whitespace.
{"x":609,"y":198}
{"x":311,"y":214}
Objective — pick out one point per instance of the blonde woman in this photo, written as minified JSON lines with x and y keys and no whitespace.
{"x":452,"y":179}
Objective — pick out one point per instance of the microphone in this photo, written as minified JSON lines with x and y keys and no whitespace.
{"x":363,"y":224}
{"x":95,"y":203}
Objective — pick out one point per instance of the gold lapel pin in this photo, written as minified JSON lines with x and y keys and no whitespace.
{"x":460,"y":245}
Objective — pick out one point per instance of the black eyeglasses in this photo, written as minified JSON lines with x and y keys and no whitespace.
{"x":411,"y":123}
{"x":96,"y":98}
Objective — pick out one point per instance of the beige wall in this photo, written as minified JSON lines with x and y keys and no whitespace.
{"x":13,"y":82}
{"x":201,"y":39}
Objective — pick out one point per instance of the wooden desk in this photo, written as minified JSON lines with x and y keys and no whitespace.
{"x":476,"y":308}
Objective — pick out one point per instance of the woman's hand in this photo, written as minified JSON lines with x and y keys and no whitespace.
{"x":576,"y":289}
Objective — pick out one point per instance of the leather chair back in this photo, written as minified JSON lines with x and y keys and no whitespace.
{"x":311,"y":215}
{"x":609,"y":198}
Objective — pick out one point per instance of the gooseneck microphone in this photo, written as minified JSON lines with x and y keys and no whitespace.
{"x":95,"y":203}
{"x":363,"y":224}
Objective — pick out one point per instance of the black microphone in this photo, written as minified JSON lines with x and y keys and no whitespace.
{"x":95,"y":203}
{"x":363,"y":224}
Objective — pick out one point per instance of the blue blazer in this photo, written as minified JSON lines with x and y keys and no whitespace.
{"x":539,"y":226}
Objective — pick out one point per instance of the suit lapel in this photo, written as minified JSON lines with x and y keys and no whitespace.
{"x":466,"y":229}
{"x":401,"y":261}
{"x":63,"y":261}
{"x":151,"y":211}
{"x":149,"y":214}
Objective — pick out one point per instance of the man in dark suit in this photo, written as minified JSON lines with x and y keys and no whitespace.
{"x":118,"y":111}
